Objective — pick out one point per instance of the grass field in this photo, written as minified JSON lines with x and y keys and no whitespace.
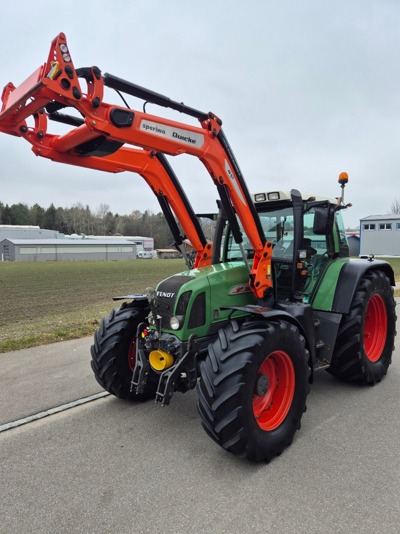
{"x":45,"y":302}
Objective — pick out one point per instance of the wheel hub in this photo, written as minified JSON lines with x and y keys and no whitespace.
{"x":262,"y":385}
{"x":273,"y":390}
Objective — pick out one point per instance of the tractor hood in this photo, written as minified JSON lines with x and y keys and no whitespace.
{"x":197,"y":298}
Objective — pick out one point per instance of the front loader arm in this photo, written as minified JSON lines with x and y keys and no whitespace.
{"x":19,"y":103}
{"x":97,"y":141}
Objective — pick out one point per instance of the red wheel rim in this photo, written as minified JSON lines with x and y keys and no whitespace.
{"x":274,"y":390}
{"x":375,"y":328}
{"x":132,"y":355}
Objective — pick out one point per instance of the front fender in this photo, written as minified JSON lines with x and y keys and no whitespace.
{"x":298,"y":314}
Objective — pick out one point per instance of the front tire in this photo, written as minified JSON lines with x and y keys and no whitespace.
{"x":253,"y":388}
{"x":114,"y":352}
{"x":365,"y":340}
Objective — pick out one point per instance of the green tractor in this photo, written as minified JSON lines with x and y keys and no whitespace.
{"x":273,"y":299}
{"x":252,"y":361}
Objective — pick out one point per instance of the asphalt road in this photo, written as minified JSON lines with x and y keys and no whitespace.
{"x":112,"y":467}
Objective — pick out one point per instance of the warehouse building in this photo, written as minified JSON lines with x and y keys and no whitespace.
{"x":142,"y":243}
{"x":66,"y":249}
{"x":9,"y":231}
{"x":380,"y":235}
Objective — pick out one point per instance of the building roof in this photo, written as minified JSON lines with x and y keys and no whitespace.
{"x":113,"y":237}
{"x":19,"y":226}
{"x":389,"y":216}
{"x":71,"y":242}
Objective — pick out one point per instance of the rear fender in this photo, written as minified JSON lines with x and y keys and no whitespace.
{"x":349,"y":278}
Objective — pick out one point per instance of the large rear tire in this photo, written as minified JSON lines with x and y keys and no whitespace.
{"x":253,"y":388}
{"x":114,"y":352}
{"x":365,"y":340}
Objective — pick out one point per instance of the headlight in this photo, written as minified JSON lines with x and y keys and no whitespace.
{"x":176,"y":322}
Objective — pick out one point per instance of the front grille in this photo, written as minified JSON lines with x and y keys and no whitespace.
{"x":164,"y":302}
{"x":183,"y":302}
{"x":198,"y":314}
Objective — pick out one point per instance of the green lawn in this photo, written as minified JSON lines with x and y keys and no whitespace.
{"x":395,"y":263}
{"x":45,"y":302}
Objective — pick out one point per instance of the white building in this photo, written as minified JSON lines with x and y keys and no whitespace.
{"x":380,"y":235}
{"x":32,"y":243}
{"x":66,"y":249}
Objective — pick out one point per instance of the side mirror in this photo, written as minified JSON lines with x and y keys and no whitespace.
{"x":323,"y":220}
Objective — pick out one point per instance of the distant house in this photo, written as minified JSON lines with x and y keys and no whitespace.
{"x":66,"y":249}
{"x":380,"y":235}
{"x":353,"y":240}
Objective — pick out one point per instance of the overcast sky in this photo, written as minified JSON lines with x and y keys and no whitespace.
{"x":305,"y":88}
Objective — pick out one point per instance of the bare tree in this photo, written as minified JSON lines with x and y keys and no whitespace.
{"x":102,"y":210}
{"x":395,"y":206}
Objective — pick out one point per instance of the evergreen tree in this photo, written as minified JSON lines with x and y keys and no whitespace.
{"x":19,"y":214}
{"x":6,"y":215}
{"x":37,"y":215}
{"x":49,"y":218}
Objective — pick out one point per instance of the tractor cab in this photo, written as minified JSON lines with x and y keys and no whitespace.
{"x":304,"y":242}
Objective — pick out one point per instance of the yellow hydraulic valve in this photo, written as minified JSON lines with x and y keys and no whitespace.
{"x":160,"y":360}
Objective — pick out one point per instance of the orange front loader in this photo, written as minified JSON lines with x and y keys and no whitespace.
{"x":104,"y":135}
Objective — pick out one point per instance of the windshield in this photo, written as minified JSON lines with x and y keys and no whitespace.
{"x":278,"y":226}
